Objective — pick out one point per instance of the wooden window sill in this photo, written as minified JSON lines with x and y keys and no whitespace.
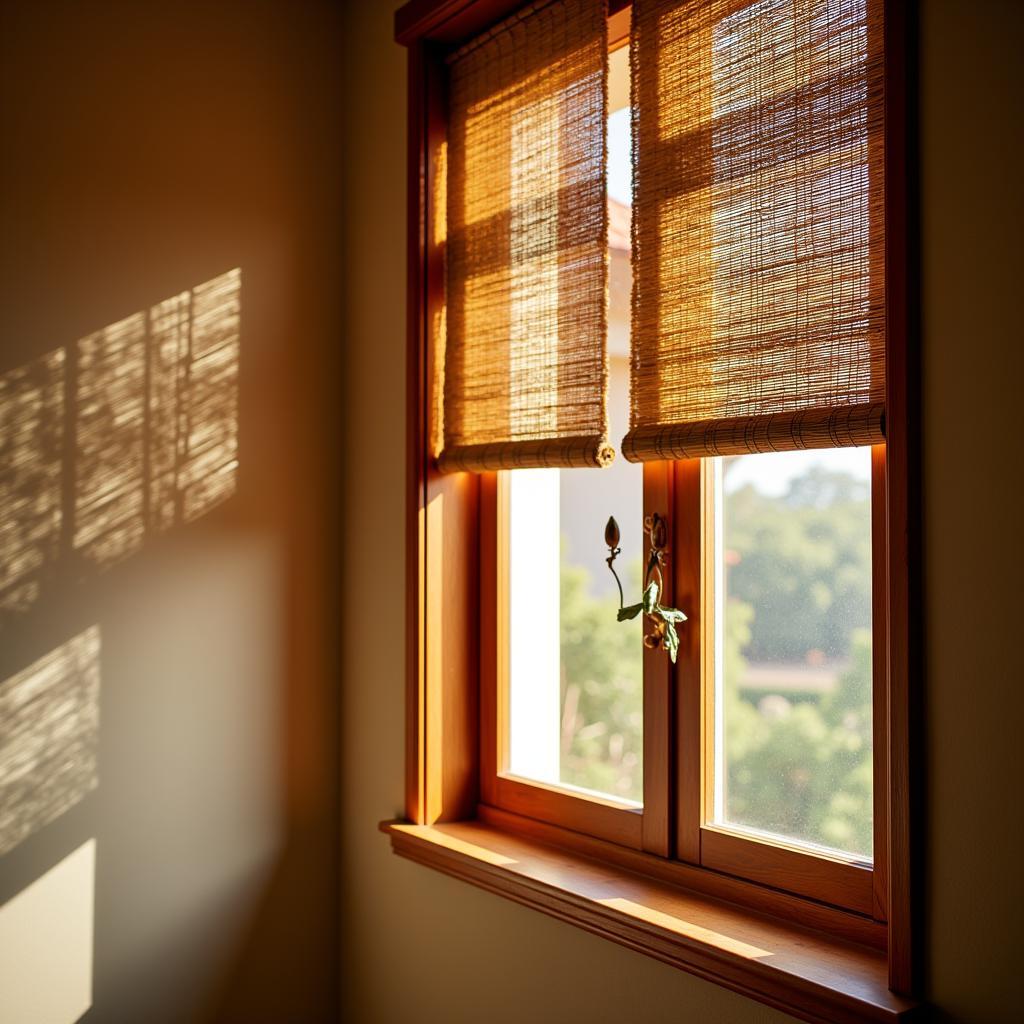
{"x":810,"y":975}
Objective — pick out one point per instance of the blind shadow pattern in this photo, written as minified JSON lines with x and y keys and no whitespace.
{"x":525,"y":369}
{"x":124,"y":434}
{"x":31,"y":460}
{"x":49,"y":733}
{"x":758,"y":213}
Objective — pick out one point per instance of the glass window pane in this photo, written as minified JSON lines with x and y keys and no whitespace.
{"x":575,"y":674}
{"x":575,"y":701}
{"x":793,"y":669}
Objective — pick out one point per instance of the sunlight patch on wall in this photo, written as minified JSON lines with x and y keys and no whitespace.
{"x":49,"y":729}
{"x":210,"y":455}
{"x":46,"y":944}
{"x":158,"y":404}
{"x":194,"y":400}
{"x":31,"y":444}
{"x":108,"y":457}
{"x":128,"y":432}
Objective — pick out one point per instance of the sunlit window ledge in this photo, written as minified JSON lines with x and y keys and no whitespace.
{"x":780,"y":963}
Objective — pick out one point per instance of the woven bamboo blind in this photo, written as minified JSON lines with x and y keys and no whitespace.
{"x":758,"y":233}
{"x":525,"y":368}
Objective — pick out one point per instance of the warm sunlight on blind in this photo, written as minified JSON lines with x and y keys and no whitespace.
{"x":758,"y":304}
{"x":525,"y":368}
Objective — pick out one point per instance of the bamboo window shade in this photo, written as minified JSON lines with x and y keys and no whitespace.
{"x":758,"y":227}
{"x":524,"y":362}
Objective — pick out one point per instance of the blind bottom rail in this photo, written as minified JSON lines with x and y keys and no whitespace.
{"x":847,"y":427}
{"x":546,"y":453}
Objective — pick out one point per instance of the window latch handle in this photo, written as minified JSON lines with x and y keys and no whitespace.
{"x":662,"y":618}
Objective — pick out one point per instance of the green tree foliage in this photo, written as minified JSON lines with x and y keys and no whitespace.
{"x":801,"y":768}
{"x":799,"y":592}
{"x":799,"y":588}
{"x":804,"y":564}
{"x":602,"y":691}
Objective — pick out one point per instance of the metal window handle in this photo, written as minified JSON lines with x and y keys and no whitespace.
{"x":664,"y":619}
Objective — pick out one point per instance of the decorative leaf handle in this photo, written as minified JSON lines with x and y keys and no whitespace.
{"x":663,"y":618}
{"x":611,"y":538}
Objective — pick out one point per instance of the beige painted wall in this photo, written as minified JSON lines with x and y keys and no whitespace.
{"x":146,"y":148}
{"x":420,"y":946}
{"x":972,"y":270}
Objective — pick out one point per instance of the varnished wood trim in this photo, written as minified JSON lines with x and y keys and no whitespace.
{"x":493,"y":637}
{"x":880,"y":683}
{"x":755,"y":898}
{"x":442,"y":781}
{"x":576,"y":811}
{"x":901,"y":430}
{"x":687,"y":532}
{"x":778,"y":963}
{"x":704,"y":722}
{"x":448,"y":21}
{"x":658,"y":685}
{"x":415,"y":541}
{"x":818,"y":877}
{"x":452,"y":21}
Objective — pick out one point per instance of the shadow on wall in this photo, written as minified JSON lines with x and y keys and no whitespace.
{"x":118,"y":437}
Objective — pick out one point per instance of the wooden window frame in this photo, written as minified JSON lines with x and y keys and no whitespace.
{"x":836,"y":881}
{"x":452,"y":569}
{"x":678,"y":714}
{"x":645,"y":828}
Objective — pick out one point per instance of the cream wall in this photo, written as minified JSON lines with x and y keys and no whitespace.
{"x":420,"y":946}
{"x":973,"y":709}
{"x":145,"y":148}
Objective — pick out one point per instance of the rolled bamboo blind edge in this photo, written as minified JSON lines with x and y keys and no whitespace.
{"x":590,"y":451}
{"x":848,"y":427}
